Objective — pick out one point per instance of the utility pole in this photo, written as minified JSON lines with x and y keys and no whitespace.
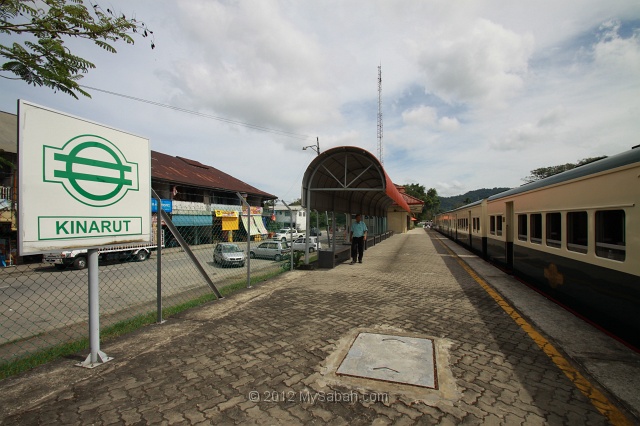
{"x":380,"y":115}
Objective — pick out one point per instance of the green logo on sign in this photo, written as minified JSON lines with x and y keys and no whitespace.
{"x":91,"y":169}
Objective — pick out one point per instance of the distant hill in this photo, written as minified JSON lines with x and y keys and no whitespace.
{"x":449,"y":203}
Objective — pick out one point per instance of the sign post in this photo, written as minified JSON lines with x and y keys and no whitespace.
{"x":82,"y":185}
{"x":96,"y":357}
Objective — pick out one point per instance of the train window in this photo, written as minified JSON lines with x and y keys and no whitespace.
{"x":492,"y":225}
{"x":499,"y":225}
{"x":554,"y":229}
{"x":610,"y":234}
{"x":522,"y":227}
{"x":577,"y":231}
{"x":535,"y":222}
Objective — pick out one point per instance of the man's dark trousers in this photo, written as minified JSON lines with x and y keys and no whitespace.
{"x":357,"y":248}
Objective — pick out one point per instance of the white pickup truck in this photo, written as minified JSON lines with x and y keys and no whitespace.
{"x":286,"y":234}
{"x":78,"y":258}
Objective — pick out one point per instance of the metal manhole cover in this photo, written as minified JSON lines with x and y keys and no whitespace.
{"x":397,"y":359}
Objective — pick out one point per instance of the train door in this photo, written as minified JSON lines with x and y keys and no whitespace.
{"x":509,"y":221}
{"x":455,"y":227}
{"x":469,"y":229}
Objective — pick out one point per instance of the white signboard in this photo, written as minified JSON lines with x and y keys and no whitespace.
{"x":81,"y":184}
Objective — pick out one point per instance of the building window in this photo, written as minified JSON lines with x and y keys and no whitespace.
{"x":522,"y":227}
{"x":499,"y":225}
{"x":492,"y":225}
{"x":554,"y":230}
{"x":610,"y":234}
{"x":577,"y":231}
{"x":535,"y":222}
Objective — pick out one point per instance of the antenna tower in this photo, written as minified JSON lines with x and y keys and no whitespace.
{"x":380,"y":114}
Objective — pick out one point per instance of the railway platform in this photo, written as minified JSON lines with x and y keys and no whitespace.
{"x":422,"y":332}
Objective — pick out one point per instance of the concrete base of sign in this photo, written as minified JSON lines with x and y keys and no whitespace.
{"x":101,"y":358}
{"x":396,"y":359}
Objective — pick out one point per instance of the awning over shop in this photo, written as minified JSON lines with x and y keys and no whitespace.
{"x":257,"y":220}
{"x":255,"y":230}
{"x":191,"y":220}
{"x":350,"y":180}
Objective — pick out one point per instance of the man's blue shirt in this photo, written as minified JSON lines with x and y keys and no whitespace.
{"x":358,"y":229}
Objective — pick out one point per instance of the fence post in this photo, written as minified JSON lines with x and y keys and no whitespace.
{"x":293,"y":227}
{"x":159,"y":240}
{"x":243,"y":200}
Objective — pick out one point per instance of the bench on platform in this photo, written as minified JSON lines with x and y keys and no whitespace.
{"x":328,"y":259}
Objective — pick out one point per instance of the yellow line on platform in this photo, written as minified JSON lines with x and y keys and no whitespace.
{"x":597,"y":398}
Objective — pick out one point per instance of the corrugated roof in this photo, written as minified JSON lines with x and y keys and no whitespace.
{"x":189,"y":172}
{"x":410,"y":199}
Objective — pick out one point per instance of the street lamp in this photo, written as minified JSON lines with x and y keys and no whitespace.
{"x":315,"y":147}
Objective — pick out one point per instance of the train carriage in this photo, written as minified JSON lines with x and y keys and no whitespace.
{"x":576,"y":237}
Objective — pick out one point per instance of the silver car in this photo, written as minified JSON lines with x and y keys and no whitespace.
{"x":228,"y":254}
{"x":276,"y":250}
{"x":314,"y":244}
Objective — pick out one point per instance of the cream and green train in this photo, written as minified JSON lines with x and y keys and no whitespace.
{"x":574,"y":236}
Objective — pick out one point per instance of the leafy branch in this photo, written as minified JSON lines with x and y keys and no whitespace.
{"x":42,"y":59}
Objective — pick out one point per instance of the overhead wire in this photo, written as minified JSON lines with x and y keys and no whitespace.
{"x":200,"y":114}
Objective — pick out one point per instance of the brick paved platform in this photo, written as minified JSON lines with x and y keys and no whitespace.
{"x":269,"y":355}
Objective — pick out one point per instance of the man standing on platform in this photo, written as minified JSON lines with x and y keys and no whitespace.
{"x":358,"y":236}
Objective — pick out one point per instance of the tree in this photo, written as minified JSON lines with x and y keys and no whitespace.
{"x":40,"y":56}
{"x":432,"y":204}
{"x":430,"y":198}
{"x":415,"y":190}
{"x":545,"y":172}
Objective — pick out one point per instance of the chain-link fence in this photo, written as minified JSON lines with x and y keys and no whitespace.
{"x":44,"y":300}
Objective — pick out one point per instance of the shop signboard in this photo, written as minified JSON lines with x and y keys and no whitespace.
{"x":167,"y":205}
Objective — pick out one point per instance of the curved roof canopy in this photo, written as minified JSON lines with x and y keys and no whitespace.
{"x":348,"y":179}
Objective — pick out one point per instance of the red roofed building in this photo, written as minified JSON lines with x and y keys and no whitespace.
{"x":399,"y":219}
{"x":183,"y":179}
{"x":202,"y":198}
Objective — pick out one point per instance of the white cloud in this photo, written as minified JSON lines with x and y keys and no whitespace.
{"x":528,"y":135}
{"x":615,"y":55}
{"x":247,"y":60}
{"x":483,"y":65}
{"x":427,"y":117}
{"x":420,"y":116}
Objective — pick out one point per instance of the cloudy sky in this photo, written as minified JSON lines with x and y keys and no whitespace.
{"x":475,"y":93}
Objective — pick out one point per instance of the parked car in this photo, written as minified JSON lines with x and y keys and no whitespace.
{"x":276,"y":250}
{"x":286,"y":234}
{"x":316,"y":232}
{"x":228,"y":254}
{"x":314,"y":244}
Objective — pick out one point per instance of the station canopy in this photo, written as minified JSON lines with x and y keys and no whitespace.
{"x":349,"y":179}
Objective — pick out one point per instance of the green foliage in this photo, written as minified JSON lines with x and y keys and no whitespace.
{"x":545,"y":172}
{"x":449,"y":203}
{"x":39,"y":55}
{"x":430,"y":198}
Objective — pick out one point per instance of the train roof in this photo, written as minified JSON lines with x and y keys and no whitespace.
{"x":609,"y":163}
{"x":615,"y":161}
{"x":475,"y":203}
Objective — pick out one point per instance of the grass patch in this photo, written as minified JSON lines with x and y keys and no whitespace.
{"x":121,"y":328}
